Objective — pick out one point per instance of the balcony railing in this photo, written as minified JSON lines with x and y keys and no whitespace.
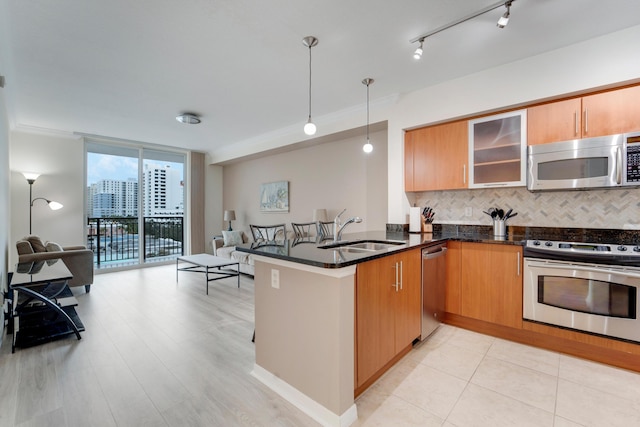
{"x":116,"y":242}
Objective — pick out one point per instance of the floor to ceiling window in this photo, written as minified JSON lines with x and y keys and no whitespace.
{"x":135,"y":204}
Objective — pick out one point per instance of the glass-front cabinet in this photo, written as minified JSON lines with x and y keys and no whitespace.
{"x":498,"y":150}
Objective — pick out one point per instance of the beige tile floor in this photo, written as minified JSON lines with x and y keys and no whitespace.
{"x":461,"y":378}
{"x":157,"y":353}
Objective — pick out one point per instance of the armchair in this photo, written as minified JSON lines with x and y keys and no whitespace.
{"x":78,"y":259}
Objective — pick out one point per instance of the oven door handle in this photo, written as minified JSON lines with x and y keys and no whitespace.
{"x":595,"y":269}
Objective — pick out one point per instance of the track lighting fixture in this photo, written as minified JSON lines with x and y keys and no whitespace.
{"x":504,"y":19}
{"x":417,"y":54}
{"x":309,"y":127}
{"x":367,"y":148}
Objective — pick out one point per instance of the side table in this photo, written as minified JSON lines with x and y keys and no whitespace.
{"x":41,"y":304}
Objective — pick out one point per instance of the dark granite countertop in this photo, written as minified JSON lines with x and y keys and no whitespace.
{"x":311,"y":251}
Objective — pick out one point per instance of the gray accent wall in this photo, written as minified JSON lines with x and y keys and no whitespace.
{"x":330,"y":175}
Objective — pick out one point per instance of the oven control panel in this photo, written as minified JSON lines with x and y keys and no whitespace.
{"x":605,"y":248}
{"x":586,"y":252}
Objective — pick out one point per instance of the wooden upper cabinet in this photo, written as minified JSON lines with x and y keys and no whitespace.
{"x":436,"y":157}
{"x":611,"y":112}
{"x":558,"y":121}
{"x":409,"y":143}
{"x":604,"y":113}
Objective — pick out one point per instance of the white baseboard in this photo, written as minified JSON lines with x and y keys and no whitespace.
{"x":303,"y":402}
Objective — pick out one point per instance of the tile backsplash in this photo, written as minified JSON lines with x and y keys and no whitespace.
{"x":612,"y":209}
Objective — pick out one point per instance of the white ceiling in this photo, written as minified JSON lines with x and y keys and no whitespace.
{"x":126,"y":68}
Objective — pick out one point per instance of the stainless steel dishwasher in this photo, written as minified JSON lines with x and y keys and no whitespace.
{"x":433,"y":287}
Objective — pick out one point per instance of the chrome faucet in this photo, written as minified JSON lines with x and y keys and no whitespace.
{"x":338,"y":226}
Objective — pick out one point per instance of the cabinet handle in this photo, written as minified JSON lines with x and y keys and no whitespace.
{"x":586,"y":121}
{"x":619,"y":166}
{"x":400,"y":275}
{"x":518,"y":261}
{"x":464,"y":174}
{"x":575,"y":119}
{"x":395,"y":285}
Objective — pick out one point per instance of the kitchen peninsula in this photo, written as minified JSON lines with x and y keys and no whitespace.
{"x":305,"y":319}
{"x":330,"y":320}
{"x":309,"y":299}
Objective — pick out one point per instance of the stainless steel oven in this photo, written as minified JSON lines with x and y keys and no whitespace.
{"x":586,"y":287}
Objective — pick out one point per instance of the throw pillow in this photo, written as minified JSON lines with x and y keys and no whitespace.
{"x":24,"y":247}
{"x":232,"y":238}
{"x":36,"y":244}
{"x":53,"y":247}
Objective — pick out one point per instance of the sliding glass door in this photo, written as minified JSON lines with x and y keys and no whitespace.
{"x":135,"y":204}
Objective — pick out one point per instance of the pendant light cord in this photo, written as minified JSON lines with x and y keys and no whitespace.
{"x":367,"y":112}
{"x":309,"y":82}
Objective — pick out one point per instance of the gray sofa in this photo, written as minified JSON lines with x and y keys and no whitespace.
{"x":78,"y":259}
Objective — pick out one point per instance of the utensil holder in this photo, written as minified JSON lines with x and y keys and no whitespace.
{"x":427,"y":227}
{"x":499,"y":228}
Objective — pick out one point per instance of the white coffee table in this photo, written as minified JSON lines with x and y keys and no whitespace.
{"x":209,"y":265}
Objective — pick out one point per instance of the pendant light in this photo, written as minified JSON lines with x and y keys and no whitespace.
{"x":309,"y":127}
{"x":367,"y":148}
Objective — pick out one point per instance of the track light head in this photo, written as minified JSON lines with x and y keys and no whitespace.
{"x":417,"y":54}
{"x":504,"y":19}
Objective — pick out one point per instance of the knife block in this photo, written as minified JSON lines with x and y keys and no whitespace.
{"x":427,"y":228}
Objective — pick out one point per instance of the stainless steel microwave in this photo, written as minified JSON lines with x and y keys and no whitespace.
{"x":602,"y":162}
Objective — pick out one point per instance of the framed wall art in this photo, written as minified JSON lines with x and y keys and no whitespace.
{"x":274,"y":197}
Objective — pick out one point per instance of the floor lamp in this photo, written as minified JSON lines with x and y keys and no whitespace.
{"x":31,"y":178}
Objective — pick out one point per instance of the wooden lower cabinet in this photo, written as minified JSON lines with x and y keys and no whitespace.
{"x":491,"y":283}
{"x":484,"y":294}
{"x":388,"y":311}
{"x":453,"y":275}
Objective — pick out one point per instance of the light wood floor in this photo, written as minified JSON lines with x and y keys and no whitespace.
{"x":157,"y":353}
{"x":154,"y":353}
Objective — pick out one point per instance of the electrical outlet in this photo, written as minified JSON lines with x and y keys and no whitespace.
{"x":275,"y":278}
{"x":468,"y":211}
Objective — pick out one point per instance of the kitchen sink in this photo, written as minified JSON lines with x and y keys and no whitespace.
{"x":372,"y":246}
{"x":362,"y":246}
{"x":353,"y":250}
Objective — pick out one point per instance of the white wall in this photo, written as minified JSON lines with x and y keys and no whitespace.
{"x":60,"y":161}
{"x":594,"y":63}
{"x":331,"y":175}
{"x":5,"y":218}
{"x":213,"y":210}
